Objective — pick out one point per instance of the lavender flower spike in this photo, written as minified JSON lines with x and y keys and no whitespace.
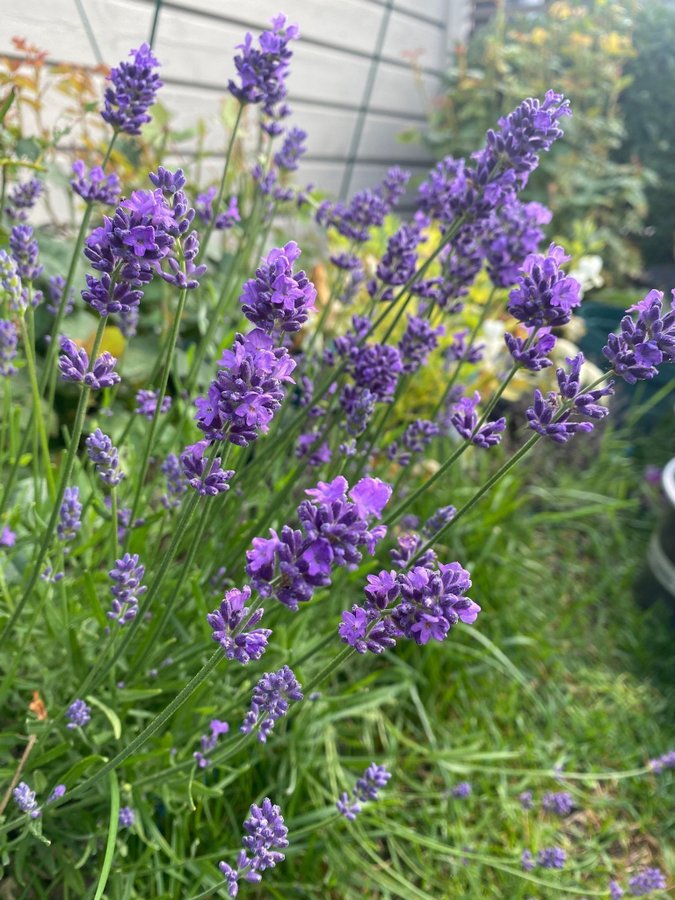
{"x":265,"y":836}
{"x":126,"y":589}
{"x":25,"y":800}
{"x":131,"y":92}
{"x":228,"y":622}
{"x":365,"y":790}
{"x":74,"y":366}
{"x":9,"y":339}
{"x":95,"y":186}
{"x":104,"y":456}
{"x":207,"y":479}
{"x":78,"y":714}
{"x":69,"y":515}
{"x":646,"y":881}
{"x":645,"y":342}
{"x":271,"y":697}
{"x":277,"y":297}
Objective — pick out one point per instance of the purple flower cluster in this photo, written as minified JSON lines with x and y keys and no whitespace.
{"x":645,"y":342}
{"x":95,"y":186}
{"x":365,"y":790}
{"x":551,"y":416}
{"x":262,"y":71}
{"x":25,"y":800}
{"x":208,"y":742}
{"x":146,"y":404}
{"x":57,"y":284}
{"x":367,"y":209}
{"x":558,"y":802}
{"x":247,"y":391}
{"x":74,"y":366}
{"x":78,"y":714}
{"x":548,"y":858}
{"x":9,"y":339}
{"x":464,"y":419}
{"x":646,"y":881}
{"x":269,"y":703}
{"x":438,"y":520}
{"x":131,"y":92}
{"x":335,"y":526}
{"x":126,"y":577}
{"x":514,"y":234}
{"x":292,"y":149}
{"x":104,"y":456}
{"x":265,"y":836}
{"x":417,"y":435}
{"x":22,"y":197}
{"x":224,"y":218}
{"x":24,"y":249}
{"x":277,"y":298}
{"x":532,"y":352}
{"x":176,"y":483}
{"x":228,"y":622}
{"x":459,"y":351}
{"x":69,"y":515}
{"x":417,"y":342}
{"x":399,"y":260}
{"x":544,"y":295}
{"x":462,"y":790}
{"x":428,"y":602}
{"x":666,"y":761}
{"x":374,"y":367}
{"x":147,"y":230}
{"x":11,"y":283}
{"x":207,"y":478}
{"x":127,"y":817}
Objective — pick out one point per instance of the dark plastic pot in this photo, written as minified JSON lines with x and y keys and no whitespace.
{"x":661,"y":553}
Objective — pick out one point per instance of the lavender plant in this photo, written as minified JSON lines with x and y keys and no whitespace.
{"x":280,"y":469}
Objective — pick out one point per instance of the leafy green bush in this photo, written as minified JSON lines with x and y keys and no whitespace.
{"x":648,"y":106}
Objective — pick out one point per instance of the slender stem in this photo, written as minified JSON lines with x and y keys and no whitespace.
{"x":151,"y":729}
{"x":396,"y":514}
{"x":38,"y":418}
{"x":63,"y":483}
{"x":221,"y":189}
{"x":115,"y":518}
{"x":460,"y":362}
{"x":149,"y":443}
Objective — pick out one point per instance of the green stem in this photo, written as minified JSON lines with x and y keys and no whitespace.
{"x":63,"y":483}
{"x":150,"y":440}
{"x":38,"y":418}
{"x":151,"y":729}
{"x":221,"y":189}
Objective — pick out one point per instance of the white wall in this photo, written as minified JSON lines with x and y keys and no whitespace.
{"x":196,"y":41}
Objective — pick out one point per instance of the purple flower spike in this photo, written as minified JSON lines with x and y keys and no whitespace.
{"x":560,"y":803}
{"x":292,"y":149}
{"x":24,"y":249}
{"x":127,"y":817}
{"x":646,"y":881}
{"x":95,"y":186}
{"x":421,"y":604}
{"x":551,"y":858}
{"x":25,"y":800}
{"x":365,"y":790}
{"x":74,"y":366}
{"x":277,"y":297}
{"x":643,"y":343}
{"x":69,"y":515}
{"x":207,"y":479}
{"x":535,"y":357}
{"x":9,"y":338}
{"x":461,"y":790}
{"x":78,"y":714}
{"x":56,"y":285}
{"x":271,"y":697}
{"x":262,"y":70}
{"x":247,"y":391}
{"x":544,"y":294}
{"x":228,"y":623}
{"x":418,"y":341}
{"x":23,"y":197}
{"x":126,"y":589}
{"x":146,"y":403}
{"x":464,"y":419}
{"x":265,"y":836}
{"x":131,"y":92}
{"x":104,"y":456}
{"x":667,"y":761}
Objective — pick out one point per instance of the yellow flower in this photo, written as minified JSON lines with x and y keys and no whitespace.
{"x":583,"y":41}
{"x":560,"y":11}
{"x":615,"y":44}
{"x":539,"y":36}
